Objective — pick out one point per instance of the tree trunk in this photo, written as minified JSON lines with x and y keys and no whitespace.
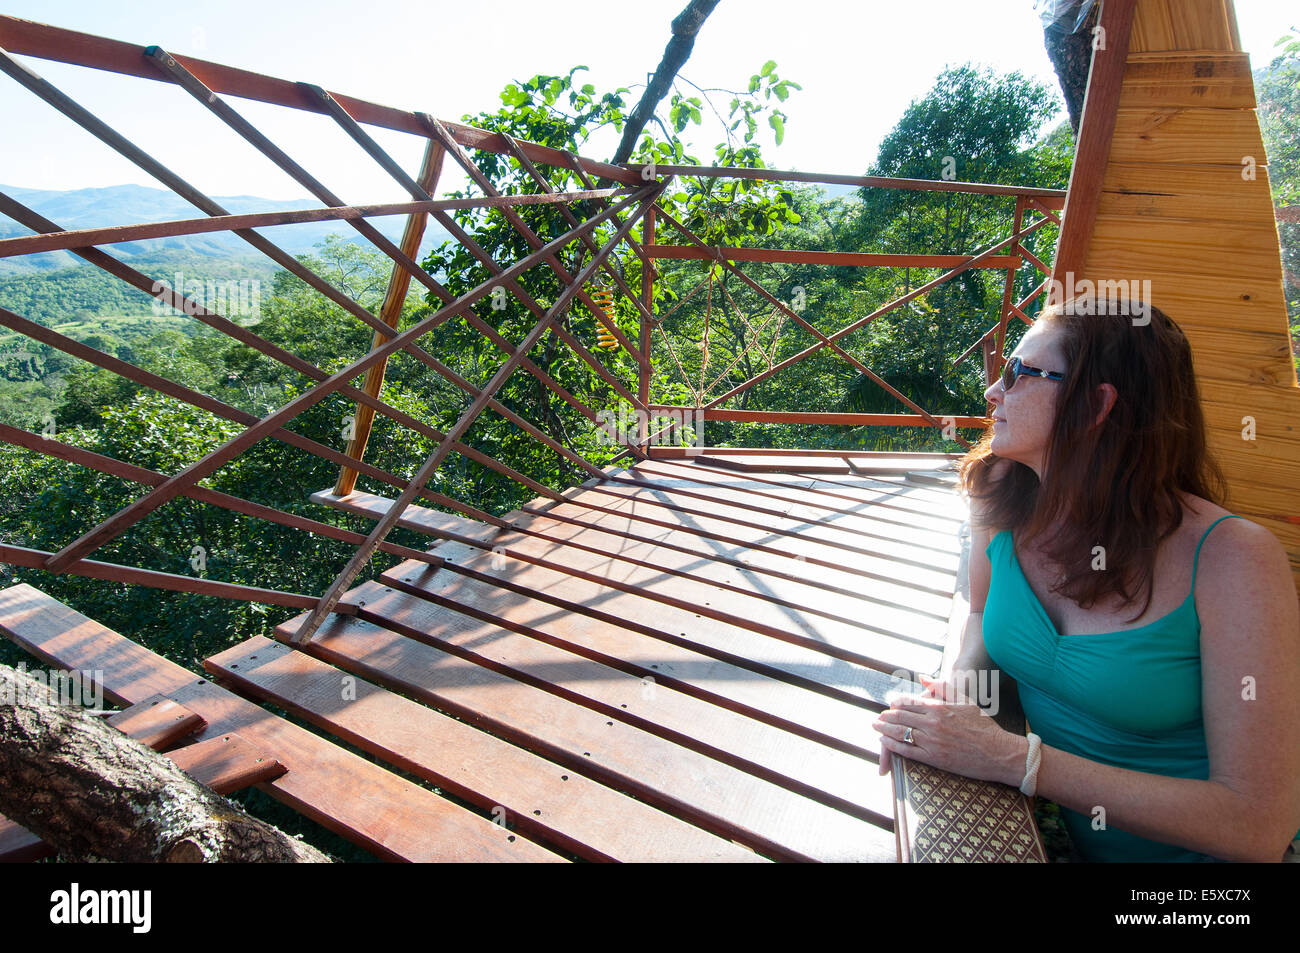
{"x":684,"y":27}
{"x":1071,"y":56}
{"x":94,"y":794}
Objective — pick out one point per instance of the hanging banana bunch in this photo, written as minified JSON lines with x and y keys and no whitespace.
{"x":603,"y":299}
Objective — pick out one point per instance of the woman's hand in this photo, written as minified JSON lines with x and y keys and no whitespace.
{"x":951,"y":732}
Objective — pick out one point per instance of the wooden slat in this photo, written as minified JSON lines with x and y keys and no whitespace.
{"x":157,"y":722}
{"x":227,"y":763}
{"x":533,"y":796}
{"x":787,"y":538}
{"x":701,"y":790}
{"x":907,"y":536}
{"x":645,"y":654}
{"x":1193,"y":192}
{"x":747,"y":546}
{"x":876,"y":646}
{"x":888,"y":556}
{"x":1190,"y":134}
{"x":1202,"y":78}
{"x":744,"y":558}
{"x":772,"y":488}
{"x":364,"y":803}
{"x":693,"y":452}
{"x":797,"y":662}
{"x":849,"y":491}
{"x":843,"y":780}
{"x":883,"y":647}
{"x":893,"y":607}
{"x":1165,"y":247}
{"x":752,"y":463}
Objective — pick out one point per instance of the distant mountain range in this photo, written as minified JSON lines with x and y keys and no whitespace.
{"x":133,"y":204}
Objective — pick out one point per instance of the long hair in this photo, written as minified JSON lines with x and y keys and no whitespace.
{"x":1115,"y":485}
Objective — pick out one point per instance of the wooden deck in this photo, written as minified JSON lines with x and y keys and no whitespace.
{"x":707,"y":640}
{"x":679,"y":663}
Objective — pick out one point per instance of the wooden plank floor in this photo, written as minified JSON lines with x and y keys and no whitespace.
{"x":681,"y":661}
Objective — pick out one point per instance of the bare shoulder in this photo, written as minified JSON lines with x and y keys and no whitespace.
{"x":1243,"y":569}
{"x":1233,"y":542}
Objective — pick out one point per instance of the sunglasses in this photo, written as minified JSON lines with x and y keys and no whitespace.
{"x":1016,"y":368}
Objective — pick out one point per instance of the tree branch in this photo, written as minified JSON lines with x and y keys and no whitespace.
{"x":684,"y":27}
{"x":93,"y":793}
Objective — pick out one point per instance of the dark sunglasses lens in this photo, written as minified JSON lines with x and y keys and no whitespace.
{"x":1009,"y":373}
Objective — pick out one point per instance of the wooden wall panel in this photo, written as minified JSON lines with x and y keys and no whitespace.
{"x":1177,"y":211}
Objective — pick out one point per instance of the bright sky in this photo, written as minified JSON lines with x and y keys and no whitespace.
{"x":860,"y":63}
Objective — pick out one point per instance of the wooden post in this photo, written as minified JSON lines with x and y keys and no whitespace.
{"x":1008,"y":290}
{"x":391,"y":312}
{"x":647,"y":299}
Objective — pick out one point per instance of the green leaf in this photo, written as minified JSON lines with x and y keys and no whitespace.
{"x":778,"y":126}
{"x":768,"y":67}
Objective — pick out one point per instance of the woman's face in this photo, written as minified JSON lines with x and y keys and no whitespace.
{"x":1023,"y":416}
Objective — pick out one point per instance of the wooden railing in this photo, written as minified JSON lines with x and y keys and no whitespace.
{"x":600,"y":221}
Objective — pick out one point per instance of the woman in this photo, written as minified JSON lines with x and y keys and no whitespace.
{"x":1169,"y":733}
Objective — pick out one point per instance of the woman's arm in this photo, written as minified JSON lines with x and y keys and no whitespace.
{"x":1249,"y":809}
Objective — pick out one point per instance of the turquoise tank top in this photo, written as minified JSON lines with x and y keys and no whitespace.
{"x":1131,"y":698}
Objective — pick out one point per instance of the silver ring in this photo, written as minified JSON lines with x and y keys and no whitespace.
{"x":907,"y":735}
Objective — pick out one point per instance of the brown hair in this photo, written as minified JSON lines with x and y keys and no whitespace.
{"x":1116,"y":485}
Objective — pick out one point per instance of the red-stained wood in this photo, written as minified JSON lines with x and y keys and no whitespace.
{"x":887,"y":641}
{"x":936,"y":458}
{"x":1052,"y":198}
{"x":703,"y":791}
{"x":128,"y":516}
{"x":889,"y":606}
{"x":369,"y":806}
{"x":54,"y":448}
{"x":793,"y":499}
{"x":399,"y":282}
{"x":157,"y":722}
{"x":73,"y":239}
{"x":707,"y":550}
{"x":791,"y":538}
{"x":843,"y":780}
{"x":37,"y":559}
{"x":809,"y":417}
{"x":828,"y":258}
{"x":790,"y":556}
{"x":645,"y":367}
{"x":84,"y":49}
{"x":847,"y":492}
{"x":1096,"y":128}
{"x":227,"y":763}
{"x":527,"y":793}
